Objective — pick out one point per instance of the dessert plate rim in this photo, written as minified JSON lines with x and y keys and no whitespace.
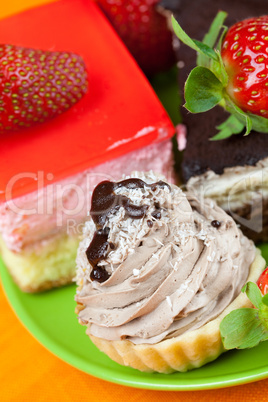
{"x":57,"y":329}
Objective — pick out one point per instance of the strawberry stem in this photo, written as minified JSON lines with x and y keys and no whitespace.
{"x":211,"y":37}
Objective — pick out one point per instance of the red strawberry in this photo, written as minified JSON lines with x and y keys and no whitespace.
{"x":263,"y":282}
{"x":144,"y":31}
{"x":245,"y":56}
{"x":233,"y":75}
{"x":37,"y":85}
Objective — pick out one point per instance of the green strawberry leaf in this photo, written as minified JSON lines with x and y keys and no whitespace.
{"x":265,"y":299}
{"x":243,"y":117}
{"x":253,"y":293}
{"x":203,"y":90}
{"x":211,"y":37}
{"x":223,"y":32}
{"x":247,"y":120}
{"x":192,"y":43}
{"x":205,"y":50}
{"x":259,"y":123}
{"x":231,"y":126}
{"x":242,"y":329}
{"x":246,"y":327}
{"x":219,"y":70}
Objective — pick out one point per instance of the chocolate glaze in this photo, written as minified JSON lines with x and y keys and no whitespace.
{"x":104,"y":202}
{"x":156,"y":214}
{"x":201,"y":154}
{"x":99,"y":274}
{"x":98,"y":247}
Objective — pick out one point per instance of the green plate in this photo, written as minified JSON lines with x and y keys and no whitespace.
{"x":50,"y":318}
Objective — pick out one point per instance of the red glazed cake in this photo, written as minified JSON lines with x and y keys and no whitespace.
{"x":50,"y":169}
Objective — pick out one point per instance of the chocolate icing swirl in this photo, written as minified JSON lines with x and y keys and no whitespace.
{"x":167,"y":277}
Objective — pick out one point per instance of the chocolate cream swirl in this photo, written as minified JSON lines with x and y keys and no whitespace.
{"x":167,"y":273}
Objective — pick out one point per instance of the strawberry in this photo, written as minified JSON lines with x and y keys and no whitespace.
{"x":245,"y":57}
{"x":263,"y":282}
{"x":232,"y":72}
{"x":37,"y":85}
{"x":144,"y":30}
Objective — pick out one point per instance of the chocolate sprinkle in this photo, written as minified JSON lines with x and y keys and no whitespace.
{"x":150,"y":224}
{"x":216,"y":224}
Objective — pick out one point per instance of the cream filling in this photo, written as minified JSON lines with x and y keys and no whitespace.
{"x":235,"y":185}
{"x":166,"y":279}
{"x":62,"y":206}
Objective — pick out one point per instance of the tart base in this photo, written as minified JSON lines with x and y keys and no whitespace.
{"x":190,"y":350}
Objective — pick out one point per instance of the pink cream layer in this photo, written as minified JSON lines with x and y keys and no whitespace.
{"x":63,"y":206}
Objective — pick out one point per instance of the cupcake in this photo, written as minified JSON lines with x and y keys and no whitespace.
{"x":157,"y":270}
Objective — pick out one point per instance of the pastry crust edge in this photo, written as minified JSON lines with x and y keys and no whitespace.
{"x":190,"y":350}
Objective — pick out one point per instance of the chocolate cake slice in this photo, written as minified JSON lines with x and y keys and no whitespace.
{"x":233,"y":171}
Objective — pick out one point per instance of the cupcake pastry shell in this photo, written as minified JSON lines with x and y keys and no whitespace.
{"x":190,"y":350}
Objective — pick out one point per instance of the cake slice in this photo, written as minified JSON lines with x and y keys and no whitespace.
{"x":233,"y":171}
{"x":50,"y":170}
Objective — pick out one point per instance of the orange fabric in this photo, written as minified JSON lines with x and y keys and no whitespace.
{"x":14,"y":6}
{"x":28,"y":372}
